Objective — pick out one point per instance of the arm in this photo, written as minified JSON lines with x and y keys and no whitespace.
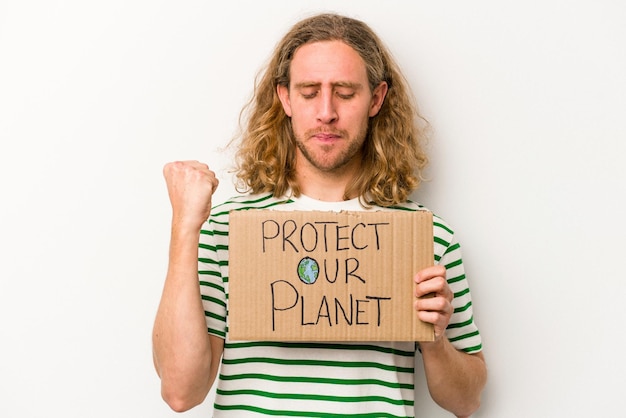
{"x":455,"y":379}
{"x":185,"y":356}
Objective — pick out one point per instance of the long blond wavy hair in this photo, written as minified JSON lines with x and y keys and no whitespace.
{"x":393,"y":156}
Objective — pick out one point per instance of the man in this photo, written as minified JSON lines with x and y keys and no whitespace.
{"x":331,"y":127}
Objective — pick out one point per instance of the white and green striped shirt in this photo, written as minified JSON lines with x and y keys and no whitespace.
{"x":308,"y":379}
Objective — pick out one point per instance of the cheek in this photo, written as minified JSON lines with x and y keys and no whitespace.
{"x":301,"y":115}
{"x":357,"y":115}
{"x":297,"y":125}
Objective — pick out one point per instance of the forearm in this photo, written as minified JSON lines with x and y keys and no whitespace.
{"x":181,"y":344}
{"x":455,"y":379}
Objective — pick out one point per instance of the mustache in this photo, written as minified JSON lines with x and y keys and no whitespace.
{"x":324,"y":131}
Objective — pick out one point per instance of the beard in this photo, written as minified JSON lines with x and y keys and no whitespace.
{"x":335,"y":156}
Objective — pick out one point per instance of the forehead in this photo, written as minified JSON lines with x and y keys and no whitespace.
{"x":327,"y":62}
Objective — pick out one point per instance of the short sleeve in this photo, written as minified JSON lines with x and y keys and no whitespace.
{"x":462,"y":331}
{"x":212,"y":270}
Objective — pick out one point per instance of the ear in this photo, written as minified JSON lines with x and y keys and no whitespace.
{"x":378,"y":98}
{"x":283,"y":95}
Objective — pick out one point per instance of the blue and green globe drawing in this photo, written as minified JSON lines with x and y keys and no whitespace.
{"x":308,"y":270}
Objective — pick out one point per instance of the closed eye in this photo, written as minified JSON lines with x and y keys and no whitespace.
{"x":345,"y":92}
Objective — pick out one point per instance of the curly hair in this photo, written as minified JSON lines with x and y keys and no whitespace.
{"x":393,"y":156}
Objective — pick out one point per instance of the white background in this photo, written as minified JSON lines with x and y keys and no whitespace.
{"x":527,"y":101}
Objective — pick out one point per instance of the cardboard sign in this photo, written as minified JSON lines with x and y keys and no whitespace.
{"x":327,"y":276}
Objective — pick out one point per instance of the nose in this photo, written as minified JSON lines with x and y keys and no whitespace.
{"x":327,"y":111}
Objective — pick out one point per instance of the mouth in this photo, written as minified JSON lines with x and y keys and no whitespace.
{"x":326,"y":136}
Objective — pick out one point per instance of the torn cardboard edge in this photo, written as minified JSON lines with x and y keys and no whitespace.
{"x":327,"y":276}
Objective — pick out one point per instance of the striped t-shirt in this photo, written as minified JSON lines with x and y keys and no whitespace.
{"x":309,"y":379}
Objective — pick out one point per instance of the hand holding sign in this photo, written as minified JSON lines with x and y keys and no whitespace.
{"x":435,"y":310}
{"x":190,"y":185}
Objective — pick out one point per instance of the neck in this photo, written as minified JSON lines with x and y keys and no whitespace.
{"x":327,"y":191}
{"x":327,"y":186}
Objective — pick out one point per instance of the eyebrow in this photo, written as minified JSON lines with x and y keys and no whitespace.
{"x":347,"y":84}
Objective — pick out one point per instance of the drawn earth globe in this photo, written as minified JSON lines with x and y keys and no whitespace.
{"x":308,"y":270}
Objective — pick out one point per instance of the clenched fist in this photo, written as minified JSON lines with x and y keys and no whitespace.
{"x":190,"y":185}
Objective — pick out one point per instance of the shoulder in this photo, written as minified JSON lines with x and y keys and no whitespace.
{"x":220,"y":211}
{"x":248,"y":201}
{"x":216,"y":227}
{"x":442,"y":230}
{"x":438,"y":222}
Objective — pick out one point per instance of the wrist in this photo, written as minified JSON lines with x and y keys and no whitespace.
{"x":434,"y":346}
{"x":183,"y":226}
{"x":184,"y":237}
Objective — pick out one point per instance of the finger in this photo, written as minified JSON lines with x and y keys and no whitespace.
{"x":439,"y":322}
{"x":429,"y":272}
{"x":184,"y":165}
{"x":191,"y":170}
{"x":432,"y":317}
{"x":437,"y":285}
{"x":435,"y":304}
